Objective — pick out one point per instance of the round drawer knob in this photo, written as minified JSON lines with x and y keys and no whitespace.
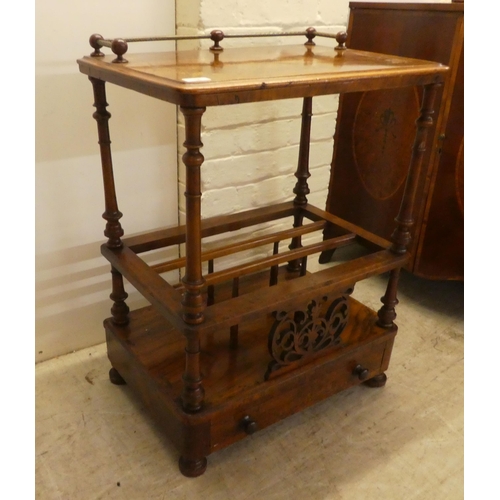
{"x":361,"y":372}
{"x":249,"y":425}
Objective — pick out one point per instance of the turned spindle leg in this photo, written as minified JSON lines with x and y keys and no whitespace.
{"x":120,"y":310}
{"x":401,"y":236}
{"x":386,"y":317}
{"x":387,"y":313}
{"x":301,"y":189}
{"x":192,"y":300}
{"x":193,"y":393}
{"x":193,"y":159}
{"x":111,"y":214}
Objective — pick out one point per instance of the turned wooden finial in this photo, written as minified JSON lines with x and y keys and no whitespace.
{"x":94,"y":43}
{"x":216,"y":36}
{"x":119,"y":47}
{"x":341,"y":38}
{"x":310,"y":34}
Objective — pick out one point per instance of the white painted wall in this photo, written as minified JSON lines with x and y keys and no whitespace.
{"x":72,"y":279}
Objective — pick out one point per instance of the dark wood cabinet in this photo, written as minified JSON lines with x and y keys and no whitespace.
{"x":373,"y":138}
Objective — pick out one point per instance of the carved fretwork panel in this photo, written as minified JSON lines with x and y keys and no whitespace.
{"x":298,"y":335}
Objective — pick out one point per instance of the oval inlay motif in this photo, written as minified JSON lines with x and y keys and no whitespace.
{"x":459,"y":176}
{"x":382,"y":138}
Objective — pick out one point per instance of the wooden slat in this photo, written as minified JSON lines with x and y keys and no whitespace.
{"x":209,"y":227}
{"x":285,"y":294}
{"x":266,"y":262}
{"x":315,"y":214}
{"x":242,"y":246}
{"x":153,"y":287}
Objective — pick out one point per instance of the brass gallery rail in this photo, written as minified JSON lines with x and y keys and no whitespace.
{"x":119,"y":46}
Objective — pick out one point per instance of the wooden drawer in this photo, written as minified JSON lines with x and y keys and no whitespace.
{"x":297,"y":390}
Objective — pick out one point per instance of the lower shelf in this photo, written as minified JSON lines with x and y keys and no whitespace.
{"x":149,"y":355}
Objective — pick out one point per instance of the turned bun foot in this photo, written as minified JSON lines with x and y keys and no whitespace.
{"x":192,"y":468}
{"x":115,"y":377}
{"x":377,"y":381}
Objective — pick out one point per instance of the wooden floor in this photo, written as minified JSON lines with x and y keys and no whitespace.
{"x":403,"y":441}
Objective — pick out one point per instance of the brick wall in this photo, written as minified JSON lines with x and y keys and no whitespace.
{"x":251,"y":150}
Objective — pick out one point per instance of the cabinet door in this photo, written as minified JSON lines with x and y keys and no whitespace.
{"x":375,"y":130}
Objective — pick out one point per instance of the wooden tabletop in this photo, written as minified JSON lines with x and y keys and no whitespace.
{"x":204,"y":78}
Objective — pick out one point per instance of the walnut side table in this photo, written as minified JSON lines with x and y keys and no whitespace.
{"x":224,"y":354}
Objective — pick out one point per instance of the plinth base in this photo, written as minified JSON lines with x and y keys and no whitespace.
{"x":148,"y":353}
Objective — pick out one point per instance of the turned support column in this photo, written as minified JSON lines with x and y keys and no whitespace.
{"x":193,"y":393}
{"x":301,"y":189}
{"x":111,"y":213}
{"x":192,"y":300}
{"x":120,"y":310}
{"x":401,"y":236}
{"x":387,"y":313}
{"x":193,"y":279}
{"x":386,"y":316}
